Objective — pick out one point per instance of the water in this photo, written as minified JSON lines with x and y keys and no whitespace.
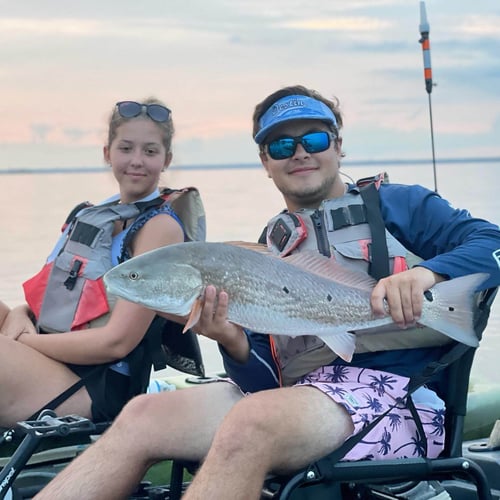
{"x":238,"y":203}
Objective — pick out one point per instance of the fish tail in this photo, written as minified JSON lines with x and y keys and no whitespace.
{"x":454,"y":315}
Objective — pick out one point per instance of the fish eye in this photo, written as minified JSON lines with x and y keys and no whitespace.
{"x":133,"y":275}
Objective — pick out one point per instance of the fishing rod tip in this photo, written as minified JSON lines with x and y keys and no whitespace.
{"x":424,"y":24}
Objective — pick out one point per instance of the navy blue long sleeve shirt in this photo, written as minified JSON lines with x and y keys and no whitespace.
{"x":451,"y":243}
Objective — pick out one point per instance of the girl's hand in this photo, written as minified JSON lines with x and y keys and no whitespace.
{"x":17,"y":322}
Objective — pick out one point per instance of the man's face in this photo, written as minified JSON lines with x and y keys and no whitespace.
{"x":305,"y":179}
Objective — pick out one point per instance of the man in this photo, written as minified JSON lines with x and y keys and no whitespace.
{"x":298,"y":401}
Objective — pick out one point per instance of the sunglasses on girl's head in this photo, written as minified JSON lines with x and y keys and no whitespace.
{"x":312,"y":142}
{"x":131,"y":109}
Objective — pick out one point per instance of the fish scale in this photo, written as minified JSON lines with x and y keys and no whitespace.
{"x":287,"y":289}
{"x":297,"y":295}
{"x":281,"y":296}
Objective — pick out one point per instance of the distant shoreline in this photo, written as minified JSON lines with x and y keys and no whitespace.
{"x":241,"y":166}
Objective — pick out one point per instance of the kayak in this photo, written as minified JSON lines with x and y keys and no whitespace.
{"x":481,"y":444}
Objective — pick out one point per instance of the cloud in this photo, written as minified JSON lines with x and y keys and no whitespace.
{"x":63,"y":65}
{"x":40,"y":132}
{"x":350,"y":24}
{"x":76,"y":134}
{"x":21,"y":27}
{"x":480,"y":26}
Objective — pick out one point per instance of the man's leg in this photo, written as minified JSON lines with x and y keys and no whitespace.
{"x":179,"y":424}
{"x":277,"y":430}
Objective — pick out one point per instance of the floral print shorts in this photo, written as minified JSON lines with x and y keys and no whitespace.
{"x":366,"y":394}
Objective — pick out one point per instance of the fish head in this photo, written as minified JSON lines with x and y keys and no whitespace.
{"x":160,"y":285}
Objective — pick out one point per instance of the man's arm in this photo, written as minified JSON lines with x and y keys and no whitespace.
{"x":451,"y":241}
{"x":259,"y":371}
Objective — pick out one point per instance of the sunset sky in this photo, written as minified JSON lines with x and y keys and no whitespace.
{"x":64,"y":64}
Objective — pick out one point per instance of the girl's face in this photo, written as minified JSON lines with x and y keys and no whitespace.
{"x":137,"y":157}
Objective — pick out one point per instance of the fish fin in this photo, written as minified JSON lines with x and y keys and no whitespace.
{"x":342,"y":344}
{"x":315,"y":263}
{"x":256,"y":247}
{"x":455,"y":315}
{"x":328,"y":268}
{"x":194,"y":315}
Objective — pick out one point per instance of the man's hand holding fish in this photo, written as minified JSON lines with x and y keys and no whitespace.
{"x":213,"y":324}
{"x":402,"y":295}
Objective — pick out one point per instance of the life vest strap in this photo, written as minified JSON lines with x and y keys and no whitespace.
{"x":379,"y":261}
{"x":352,"y":215}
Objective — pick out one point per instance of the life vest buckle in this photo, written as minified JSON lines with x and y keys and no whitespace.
{"x":73,"y":275}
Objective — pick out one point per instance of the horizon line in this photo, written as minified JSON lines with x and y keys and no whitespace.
{"x":241,"y":166}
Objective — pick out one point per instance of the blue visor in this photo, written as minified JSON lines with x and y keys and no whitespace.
{"x":293,"y":107}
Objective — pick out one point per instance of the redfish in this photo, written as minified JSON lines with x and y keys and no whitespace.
{"x":303,"y":294}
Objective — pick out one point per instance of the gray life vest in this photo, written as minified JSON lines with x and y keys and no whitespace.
{"x":68,"y":293}
{"x":340,"y":229}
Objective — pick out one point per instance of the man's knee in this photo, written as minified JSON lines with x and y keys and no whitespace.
{"x":247,"y":423}
{"x":137,"y":412}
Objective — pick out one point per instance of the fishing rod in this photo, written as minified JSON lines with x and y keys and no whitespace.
{"x":424,"y":29}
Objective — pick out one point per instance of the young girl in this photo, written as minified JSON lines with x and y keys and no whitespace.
{"x":36,"y":368}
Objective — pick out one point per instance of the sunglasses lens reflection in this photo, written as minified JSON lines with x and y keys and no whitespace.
{"x":158,"y":113}
{"x":131,"y":109}
{"x":313,"y":142}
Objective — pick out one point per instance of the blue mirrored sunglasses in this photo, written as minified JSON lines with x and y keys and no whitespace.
{"x":131,"y":109}
{"x":312,"y":142}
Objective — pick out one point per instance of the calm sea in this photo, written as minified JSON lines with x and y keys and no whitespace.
{"x":238,"y":203}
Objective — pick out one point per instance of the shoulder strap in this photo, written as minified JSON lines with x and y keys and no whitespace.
{"x":71,"y":217}
{"x":379,"y":259}
{"x":188,"y":206}
{"x":184,"y":204}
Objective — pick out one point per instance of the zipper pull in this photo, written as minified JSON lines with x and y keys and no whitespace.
{"x":319,"y":229}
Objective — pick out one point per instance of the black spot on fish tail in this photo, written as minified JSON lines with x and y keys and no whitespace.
{"x":428,"y":295}
{"x":285,"y":289}
{"x":329,"y":298}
